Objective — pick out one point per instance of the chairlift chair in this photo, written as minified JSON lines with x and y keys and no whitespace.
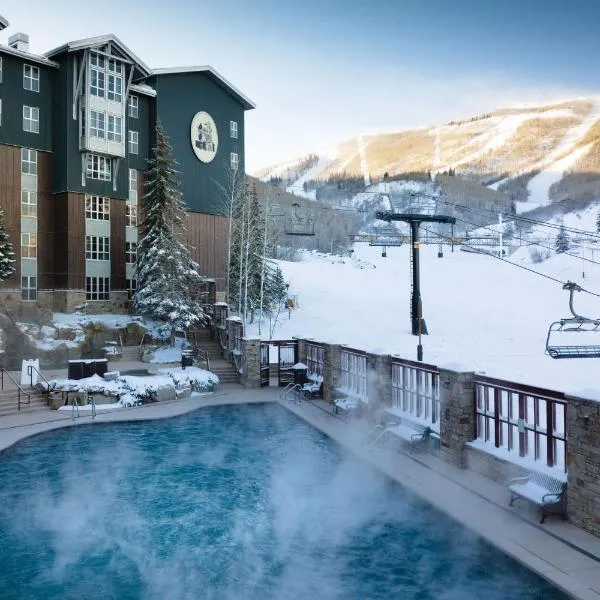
{"x":587,"y":330}
{"x":298,"y":225}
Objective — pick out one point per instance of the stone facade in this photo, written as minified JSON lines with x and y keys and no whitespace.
{"x":251,"y":362}
{"x":583,"y":464}
{"x":379,"y":381}
{"x":492,"y":467}
{"x":302,"y":350}
{"x":457,"y":415}
{"x":332,"y":364}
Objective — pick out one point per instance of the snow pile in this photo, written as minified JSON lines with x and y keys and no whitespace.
{"x":168,"y":354}
{"x":131,"y":390}
{"x":198,"y":379}
{"x":46,"y":338}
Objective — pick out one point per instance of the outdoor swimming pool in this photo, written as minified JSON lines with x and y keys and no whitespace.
{"x":244,"y":502}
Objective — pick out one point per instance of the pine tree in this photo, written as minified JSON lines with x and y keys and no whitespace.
{"x":598,"y":222}
{"x":7,"y":256}
{"x":166,"y":274}
{"x":275,"y":290}
{"x":562,"y":242}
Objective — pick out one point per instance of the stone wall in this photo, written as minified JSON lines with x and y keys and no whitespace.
{"x":583,"y":463}
{"x":457,"y":415}
{"x":250,"y":362}
{"x":490,"y":466}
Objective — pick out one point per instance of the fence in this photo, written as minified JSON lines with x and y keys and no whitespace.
{"x":315,"y":359}
{"x":524,"y":420}
{"x":416,"y":391}
{"x":353,"y":375}
{"x":238,"y":334}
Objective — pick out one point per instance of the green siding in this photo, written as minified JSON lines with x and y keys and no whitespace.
{"x":179,"y":97}
{"x":14,"y":97}
{"x":143,"y":125}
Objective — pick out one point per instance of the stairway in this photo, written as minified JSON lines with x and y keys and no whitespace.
{"x":9,"y":402}
{"x":130,"y":353}
{"x":225,"y":371}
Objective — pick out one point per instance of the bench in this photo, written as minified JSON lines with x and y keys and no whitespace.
{"x":347,"y":405}
{"x":541,"y":489}
{"x":313,"y":389}
{"x":413,"y":433}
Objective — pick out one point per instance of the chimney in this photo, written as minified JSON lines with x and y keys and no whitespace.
{"x":19,"y":41}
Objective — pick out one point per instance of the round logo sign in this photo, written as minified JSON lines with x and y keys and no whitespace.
{"x":204,"y":136}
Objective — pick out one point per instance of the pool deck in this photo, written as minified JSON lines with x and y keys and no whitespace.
{"x":563,"y":554}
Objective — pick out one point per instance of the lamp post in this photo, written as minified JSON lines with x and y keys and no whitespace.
{"x":287,"y":300}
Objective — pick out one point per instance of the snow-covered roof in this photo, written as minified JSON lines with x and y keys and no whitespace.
{"x":142,"y":88}
{"x":100,"y":40}
{"x":220,"y":80}
{"x":28,"y":56}
{"x":3,"y":23}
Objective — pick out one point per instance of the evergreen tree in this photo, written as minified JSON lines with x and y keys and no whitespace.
{"x":275,"y":290}
{"x":7,"y":256}
{"x":562,"y":242}
{"x":166,"y":275}
{"x":598,"y":222}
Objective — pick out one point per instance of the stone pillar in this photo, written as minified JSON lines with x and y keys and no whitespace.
{"x":332,"y":365}
{"x":251,"y":362}
{"x":302,"y":350}
{"x":583,"y":464}
{"x":379,"y":381}
{"x":457,"y":415}
{"x":230,"y":337}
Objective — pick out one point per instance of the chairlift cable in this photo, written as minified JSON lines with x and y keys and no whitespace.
{"x":530,"y":242}
{"x":510,"y":262}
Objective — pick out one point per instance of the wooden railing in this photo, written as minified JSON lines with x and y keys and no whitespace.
{"x":416,"y":391}
{"x":521,"y":419}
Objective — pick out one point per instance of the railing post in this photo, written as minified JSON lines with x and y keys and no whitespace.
{"x":251,"y":362}
{"x":457,"y":418}
{"x":331,"y":370}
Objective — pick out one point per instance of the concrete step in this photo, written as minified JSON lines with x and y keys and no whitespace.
{"x":9,"y":403}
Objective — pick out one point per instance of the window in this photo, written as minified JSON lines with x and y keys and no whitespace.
{"x":97,"y":288}
{"x":97,"y":81}
{"x":29,"y":288}
{"x":28,"y":161}
{"x":0,"y":69}
{"x":115,"y":87}
{"x":31,"y":78}
{"x":130,"y":215}
{"x":28,"y":245}
{"x":97,"y":208}
{"x":133,"y":106}
{"x":98,"y":167}
{"x":233,"y":129}
{"x":0,"y":101}
{"x":31,"y":119}
{"x":115,"y":128}
{"x":131,"y":287}
{"x":133,"y":142}
{"x":28,"y":204}
{"x":130,"y":253}
{"x":132,"y":180}
{"x":97,"y":247}
{"x":234,"y":161}
{"x":97,"y":124}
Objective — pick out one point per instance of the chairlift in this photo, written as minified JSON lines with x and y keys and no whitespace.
{"x":298,"y":225}
{"x":585,"y":330}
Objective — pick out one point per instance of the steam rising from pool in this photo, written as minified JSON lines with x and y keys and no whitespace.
{"x":227,"y":503}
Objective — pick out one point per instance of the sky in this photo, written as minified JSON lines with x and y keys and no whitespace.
{"x":321,"y":72}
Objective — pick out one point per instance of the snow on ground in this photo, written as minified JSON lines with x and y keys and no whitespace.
{"x":485,"y":314}
{"x":111,"y":321}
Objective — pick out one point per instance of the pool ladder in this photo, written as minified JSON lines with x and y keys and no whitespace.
{"x":292,"y":391}
{"x":75,"y":410}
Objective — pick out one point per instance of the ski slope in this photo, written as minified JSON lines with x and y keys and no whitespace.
{"x":482,"y":314}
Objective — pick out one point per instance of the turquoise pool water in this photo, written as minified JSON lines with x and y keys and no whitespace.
{"x":244,"y":502}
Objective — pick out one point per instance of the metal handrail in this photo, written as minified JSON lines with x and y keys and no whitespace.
{"x":30,"y":370}
{"x":75,"y":405}
{"x":141,"y":346}
{"x":202,"y":355}
{"x":20,"y":390}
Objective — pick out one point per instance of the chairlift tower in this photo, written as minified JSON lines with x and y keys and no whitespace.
{"x":414,"y":212}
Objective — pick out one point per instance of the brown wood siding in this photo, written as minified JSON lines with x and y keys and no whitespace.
{"x":69,"y":241}
{"x":10,"y":202}
{"x":117,"y":244}
{"x":46,"y":225}
{"x":207,"y":238}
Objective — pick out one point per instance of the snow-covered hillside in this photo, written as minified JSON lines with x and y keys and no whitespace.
{"x":483,"y":314}
{"x":544,"y":143}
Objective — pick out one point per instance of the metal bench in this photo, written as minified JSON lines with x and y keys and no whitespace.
{"x":541,"y":489}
